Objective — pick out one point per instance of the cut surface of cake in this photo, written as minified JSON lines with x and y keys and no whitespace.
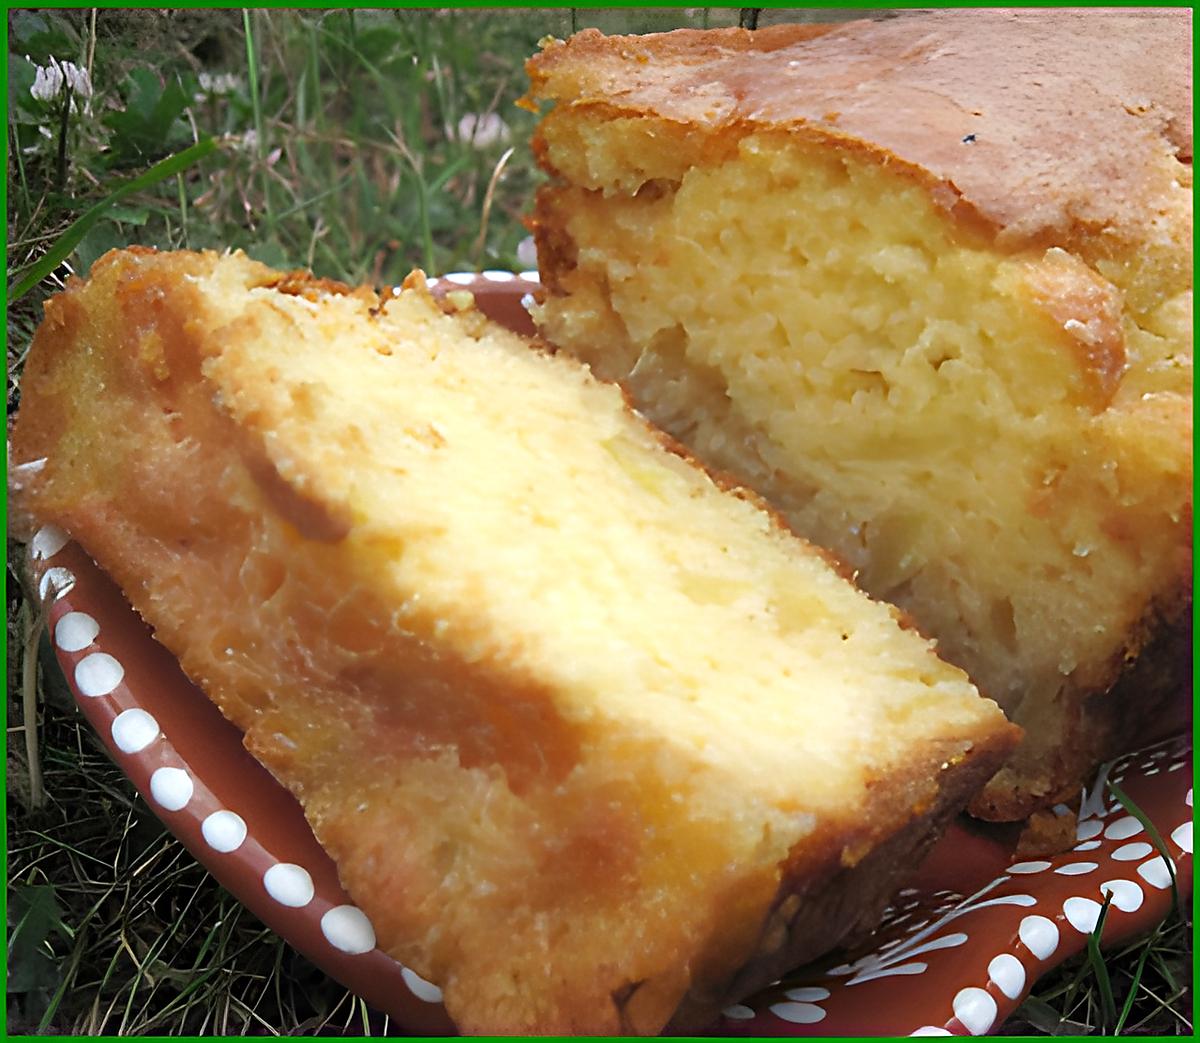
{"x":594,"y":741}
{"x":925,"y":284}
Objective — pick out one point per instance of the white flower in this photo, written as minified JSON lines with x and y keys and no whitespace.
{"x":482,"y":131}
{"x":527,"y":253}
{"x":78,"y":80}
{"x":49,"y":80}
{"x":219,"y":83}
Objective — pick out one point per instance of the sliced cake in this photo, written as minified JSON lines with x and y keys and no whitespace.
{"x":594,"y":741}
{"x":925,"y":284}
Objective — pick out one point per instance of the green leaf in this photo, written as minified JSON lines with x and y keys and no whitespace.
{"x":271,"y":253}
{"x":23,"y":26}
{"x":22,"y":105}
{"x":1152,"y":832}
{"x":100,"y":238}
{"x":380,"y":43}
{"x":1041,"y":1015}
{"x":1108,"y":1006}
{"x":33,"y":916}
{"x":29,"y":139}
{"x":43,"y":36}
{"x":1136,"y":981}
{"x":1174,"y":970}
{"x":129,"y":215}
{"x":150,"y":124}
{"x":71,"y":238}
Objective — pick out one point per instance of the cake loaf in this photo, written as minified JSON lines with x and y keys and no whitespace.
{"x":594,"y":742}
{"x":925,"y":284}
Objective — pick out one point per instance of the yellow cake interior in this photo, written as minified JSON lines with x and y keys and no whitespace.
{"x":997,"y":442}
{"x":630,"y":581}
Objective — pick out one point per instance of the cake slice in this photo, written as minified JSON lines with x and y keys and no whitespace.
{"x":594,"y":742}
{"x":925,"y":284}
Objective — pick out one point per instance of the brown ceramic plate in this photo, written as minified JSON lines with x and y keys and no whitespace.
{"x":957,"y":951}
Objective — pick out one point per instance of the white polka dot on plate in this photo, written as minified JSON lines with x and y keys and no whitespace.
{"x":422,"y":989}
{"x":1076,"y":868}
{"x":531,"y":276}
{"x":738,"y":1012}
{"x":55,"y":582}
{"x":1028,"y":867}
{"x":347,"y":928}
{"x":1156,"y":873}
{"x":1182,"y":835}
{"x":976,"y":1009}
{"x":1132,"y":852}
{"x":1082,"y":914}
{"x":807,"y":994}
{"x":98,"y":674}
{"x":1039,"y":934}
{"x":289,"y":884}
{"x":1188,"y":799}
{"x":1123,"y":828}
{"x":134,"y":730}
{"x":493,"y":275}
{"x":75,"y":631}
{"x":1008,"y":973}
{"x":461,"y":278}
{"x":1126,"y":895}
{"x":223,"y":831}
{"x":931,"y":1030}
{"x":47,"y":542}
{"x":1088,"y":828}
{"x":798,"y":1013}
{"x":1087,"y":845}
{"x":171,"y":788}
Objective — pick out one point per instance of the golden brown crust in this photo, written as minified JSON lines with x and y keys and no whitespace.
{"x":1046,"y":832}
{"x":1085,"y":313}
{"x":1044,"y":125}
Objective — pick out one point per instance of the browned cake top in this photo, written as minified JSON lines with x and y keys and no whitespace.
{"x":1041,"y":122}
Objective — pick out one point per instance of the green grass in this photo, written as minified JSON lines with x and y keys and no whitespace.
{"x":115,"y":929}
{"x":1142,"y":988}
{"x":337,"y":139}
{"x":336,"y":147}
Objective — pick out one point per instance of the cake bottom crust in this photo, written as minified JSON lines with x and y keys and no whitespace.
{"x":837,"y":898}
{"x":1149,"y":700}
